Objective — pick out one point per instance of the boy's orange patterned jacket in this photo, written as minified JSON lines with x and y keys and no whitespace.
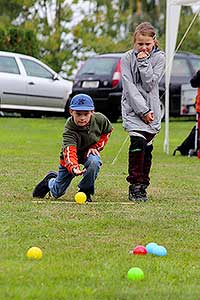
{"x":77,"y":140}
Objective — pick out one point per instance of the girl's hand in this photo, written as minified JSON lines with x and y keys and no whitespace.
{"x":148,"y":118}
{"x":142,"y":54}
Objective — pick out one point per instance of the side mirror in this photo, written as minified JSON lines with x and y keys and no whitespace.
{"x":55,"y":77}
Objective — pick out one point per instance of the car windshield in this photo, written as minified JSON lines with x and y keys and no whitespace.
{"x":180,"y":67}
{"x":100,"y":66}
{"x":195,"y":64}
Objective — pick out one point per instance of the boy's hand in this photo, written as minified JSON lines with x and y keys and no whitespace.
{"x":93,"y":151}
{"x":77,"y":172}
{"x":149,"y":117}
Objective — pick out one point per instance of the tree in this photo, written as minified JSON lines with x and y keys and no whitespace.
{"x":48,"y":18}
{"x":66,"y":37}
{"x":19,"y":40}
{"x":10,"y":9}
{"x":109,"y":24}
{"x":191,"y":43}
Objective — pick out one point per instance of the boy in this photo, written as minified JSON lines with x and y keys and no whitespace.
{"x":85,"y":135}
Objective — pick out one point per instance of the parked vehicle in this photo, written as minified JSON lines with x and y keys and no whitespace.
{"x":30,"y":87}
{"x":100,"y":77}
{"x":181,"y":94}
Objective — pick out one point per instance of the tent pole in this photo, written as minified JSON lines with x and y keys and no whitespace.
{"x":166,"y":140}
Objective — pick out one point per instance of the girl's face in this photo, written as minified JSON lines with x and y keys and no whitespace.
{"x":144,"y":43}
{"x":81,"y":118}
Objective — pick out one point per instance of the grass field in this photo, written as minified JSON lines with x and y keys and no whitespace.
{"x":85,"y":247}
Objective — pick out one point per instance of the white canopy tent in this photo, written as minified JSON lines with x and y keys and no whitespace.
{"x":172,"y":22}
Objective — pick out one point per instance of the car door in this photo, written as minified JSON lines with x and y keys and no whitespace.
{"x":181,"y":74}
{"x":12,"y":84}
{"x":44,"y":91}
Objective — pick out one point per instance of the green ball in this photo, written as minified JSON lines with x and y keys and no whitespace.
{"x":135,"y":274}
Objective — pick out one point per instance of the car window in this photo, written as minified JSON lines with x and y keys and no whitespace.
{"x":34,"y":69}
{"x":180,"y":67}
{"x":195,"y":64}
{"x":100,"y":66}
{"x":8,"y":65}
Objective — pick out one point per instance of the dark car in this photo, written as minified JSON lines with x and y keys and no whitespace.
{"x":100,"y":77}
{"x":184,"y":67}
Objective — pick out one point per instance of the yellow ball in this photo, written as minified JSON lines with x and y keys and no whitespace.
{"x":80,"y":197}
{"x":34,"y":253}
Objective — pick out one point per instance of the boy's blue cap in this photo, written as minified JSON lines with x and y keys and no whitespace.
{"x":81,"y":102}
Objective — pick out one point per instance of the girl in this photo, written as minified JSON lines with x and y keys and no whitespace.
{"x":142,"y":69}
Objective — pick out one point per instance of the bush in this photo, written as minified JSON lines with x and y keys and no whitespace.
{"x":19,"y":40}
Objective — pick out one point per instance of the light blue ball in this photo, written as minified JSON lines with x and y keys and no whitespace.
{"x":159,"y":251}
{"x":150,"y":247}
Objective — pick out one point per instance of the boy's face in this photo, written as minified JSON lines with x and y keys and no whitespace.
{"x":81,"y":118}
{"x":144,"y":43}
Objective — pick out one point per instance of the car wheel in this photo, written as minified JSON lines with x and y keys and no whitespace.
{"x":26,"y":114}
{"x":66,"y":112}
{"x":113,"y":117}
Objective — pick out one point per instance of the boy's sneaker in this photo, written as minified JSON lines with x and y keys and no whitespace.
{"x":136,"y":193}
{"x":89,"y":199}
{"x":42,"y":187}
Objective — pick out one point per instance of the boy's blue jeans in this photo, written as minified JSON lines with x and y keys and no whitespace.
{"x":59,"y":185}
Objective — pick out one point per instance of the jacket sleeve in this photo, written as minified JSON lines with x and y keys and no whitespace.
{"x":151,"y":74}
{"x":130,"y":90}
{"x":70,"y":159}
{"x":102,"y":142}
{"x":195,"y":81}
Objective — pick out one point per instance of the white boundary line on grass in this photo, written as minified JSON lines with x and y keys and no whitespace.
{"x":73,"y":202}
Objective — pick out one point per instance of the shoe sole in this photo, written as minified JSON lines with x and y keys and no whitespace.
{"x":41,"y":188}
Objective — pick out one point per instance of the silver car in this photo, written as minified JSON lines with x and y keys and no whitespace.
{"x":30,"y":87}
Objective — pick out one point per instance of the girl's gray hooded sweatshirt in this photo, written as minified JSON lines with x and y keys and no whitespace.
{"x":140,"y":79}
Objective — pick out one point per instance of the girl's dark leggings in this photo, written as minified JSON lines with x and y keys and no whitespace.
{"x":140,"y":157}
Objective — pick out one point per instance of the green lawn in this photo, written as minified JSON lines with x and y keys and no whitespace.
{"x":85,"y":247}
